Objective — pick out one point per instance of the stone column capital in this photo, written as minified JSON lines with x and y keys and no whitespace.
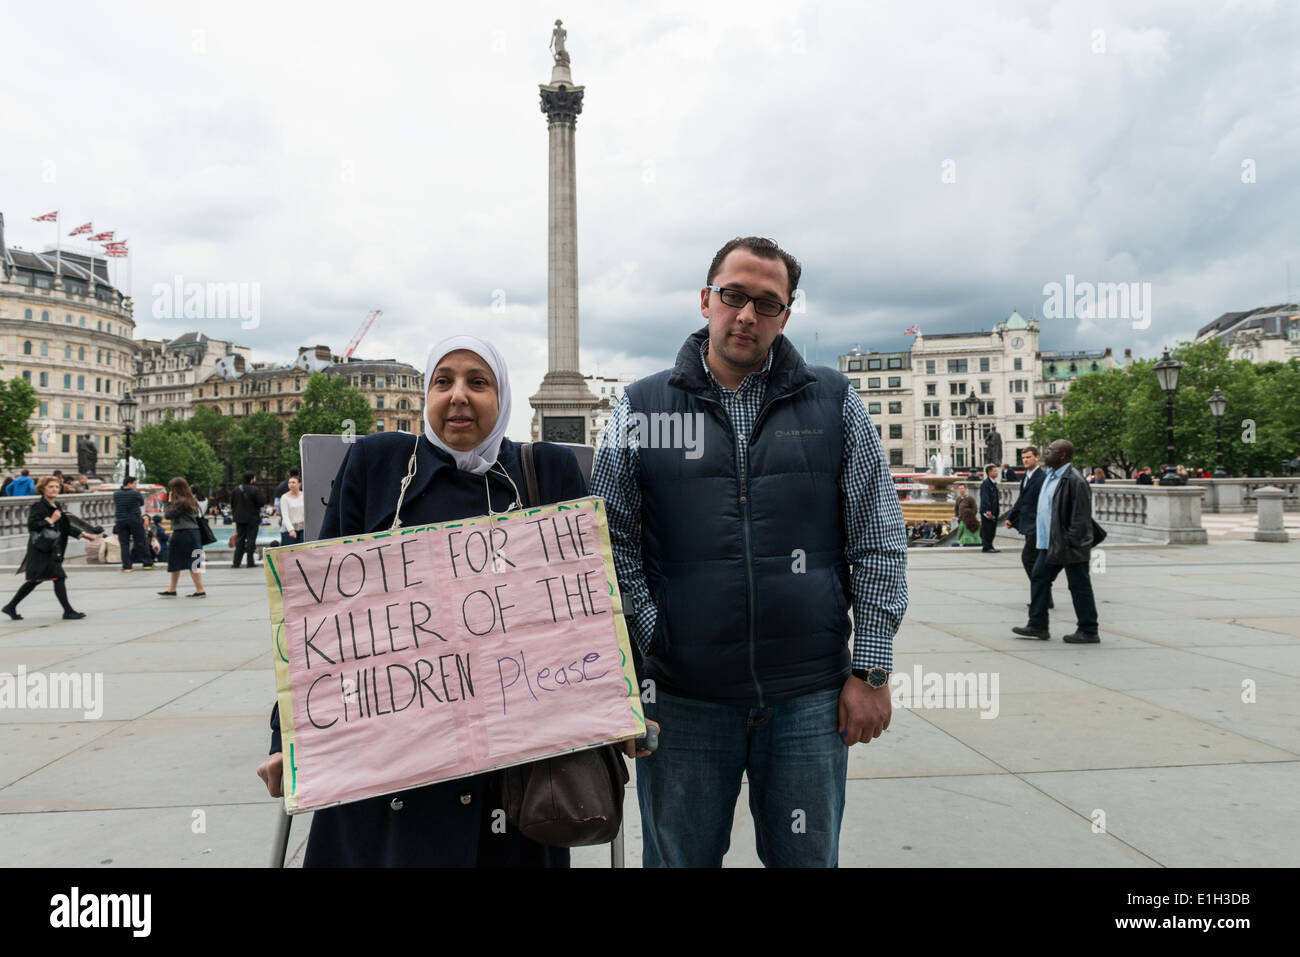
{"x":561,"y":104}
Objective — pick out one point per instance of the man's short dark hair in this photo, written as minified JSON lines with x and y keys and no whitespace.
{"x":988,"y":469}
{"x":763,"y":249}
{"x":1032,"y":448}
{"x":249,"y":476}
{"x":128,"y":480}
{"x":295,"y":471}
{"x":25,"y":472}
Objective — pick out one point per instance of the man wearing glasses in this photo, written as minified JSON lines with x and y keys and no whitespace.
{"x":737,"y":564}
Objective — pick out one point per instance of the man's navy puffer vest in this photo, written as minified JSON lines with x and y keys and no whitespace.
{"x":748,"y":573}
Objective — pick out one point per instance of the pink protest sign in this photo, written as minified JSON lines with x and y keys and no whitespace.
{"x":411,"y":657}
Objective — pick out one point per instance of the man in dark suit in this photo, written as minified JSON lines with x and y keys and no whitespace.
{"x":989,"y":507}
{"x":246,"y":503}
{"x":1022,"y":514}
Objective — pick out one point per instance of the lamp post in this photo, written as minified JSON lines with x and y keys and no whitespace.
{"x":127,"y":410}
{"x":972,"y":422}
{"x":1218,"y":405}
{"x":1167,"y":370}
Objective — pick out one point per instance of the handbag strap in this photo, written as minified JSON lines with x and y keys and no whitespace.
{"x":410,"y":474}
{"x":530,"y":474}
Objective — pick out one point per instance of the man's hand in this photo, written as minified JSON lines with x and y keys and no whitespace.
{"x":1008,"y":524}
{"x":629,"y":746}
{"x":989,"y":515}
{"x":271,"y":771}
{"x":864,"y":711}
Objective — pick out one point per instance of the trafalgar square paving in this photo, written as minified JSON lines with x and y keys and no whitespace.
{"x":1174,"y":742}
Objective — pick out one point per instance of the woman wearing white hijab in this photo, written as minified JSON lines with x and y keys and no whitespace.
{"x":464,"y":466}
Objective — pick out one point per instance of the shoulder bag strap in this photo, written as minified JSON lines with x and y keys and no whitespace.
{"x":530,"y":474}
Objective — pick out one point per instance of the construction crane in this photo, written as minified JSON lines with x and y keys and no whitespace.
{"x":365,"y":327}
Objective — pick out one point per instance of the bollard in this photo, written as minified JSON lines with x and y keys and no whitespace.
{"x":1269,"y":523}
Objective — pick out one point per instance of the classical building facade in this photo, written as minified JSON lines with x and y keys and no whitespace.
{"x":1057,"y":370}
{"x":608,"y":390}
{"x":395,"y":390}
{"x":998,"y":368}
{"x":884,"y":381}
{"x":68,"y":332}
{"x":1266,"y":334}
{"x":167,"y":371}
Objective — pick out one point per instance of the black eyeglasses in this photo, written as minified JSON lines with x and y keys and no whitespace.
{"x":737,"y":300}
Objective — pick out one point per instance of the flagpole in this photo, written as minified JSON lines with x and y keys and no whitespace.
{"x":58,"y":248}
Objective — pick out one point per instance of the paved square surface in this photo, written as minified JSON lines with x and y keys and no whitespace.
{"x":1175,"y":742}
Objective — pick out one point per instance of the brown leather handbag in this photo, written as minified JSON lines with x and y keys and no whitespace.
{"x":570,"y":800}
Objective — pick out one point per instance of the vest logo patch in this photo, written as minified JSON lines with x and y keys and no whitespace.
{"x":797,"y":433}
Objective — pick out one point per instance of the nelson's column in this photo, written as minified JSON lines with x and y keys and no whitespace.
{"x":563,"y":406}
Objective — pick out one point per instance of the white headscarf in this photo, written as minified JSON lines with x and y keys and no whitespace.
{"x":482,"y":457}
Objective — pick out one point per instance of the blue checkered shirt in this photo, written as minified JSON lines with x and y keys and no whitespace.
{"x":874,"y":533}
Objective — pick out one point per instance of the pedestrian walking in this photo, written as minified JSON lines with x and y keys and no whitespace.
{"x":1064,"y":537}
{"x":1023,"y":516}
{"x":246,"y":503}
{"x":128,"y":524}
{"x":48,"y":530}
{"x":186,"y":551}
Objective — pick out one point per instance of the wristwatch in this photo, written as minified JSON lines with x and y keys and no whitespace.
{"x":877,"y":677}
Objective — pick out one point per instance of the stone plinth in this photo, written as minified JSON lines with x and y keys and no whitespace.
{"x":1269,"y":522}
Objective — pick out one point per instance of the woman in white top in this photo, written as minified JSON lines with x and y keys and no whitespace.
{"x":293,"y":513}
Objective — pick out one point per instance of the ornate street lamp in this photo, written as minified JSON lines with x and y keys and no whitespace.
{"x":1167,"y":370}
{"x":1218,"y":405}
{"x":127,"y":410}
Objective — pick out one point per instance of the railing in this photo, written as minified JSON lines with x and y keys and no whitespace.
{"x":1142,"y":513}
{"x":95,"y":508}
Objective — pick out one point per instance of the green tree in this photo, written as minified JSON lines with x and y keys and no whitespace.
{"x":172,"y":448}
{"x":1095,"y":420}
{"x":329,"y":407}
{"x":17,"y":404}
{"x":257,"y":444}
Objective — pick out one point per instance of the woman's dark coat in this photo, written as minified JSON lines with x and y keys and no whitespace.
{"x":45,"y":565}
{"x":439,"y":825}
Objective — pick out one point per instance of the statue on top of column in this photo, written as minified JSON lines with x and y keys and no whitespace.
{"x":557,"y":43}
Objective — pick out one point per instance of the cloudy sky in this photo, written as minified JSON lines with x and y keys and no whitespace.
{"x":929,"y":163}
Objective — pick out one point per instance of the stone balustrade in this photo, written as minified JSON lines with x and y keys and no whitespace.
{"x":1139,"y":513}
{"x":94,"y":508}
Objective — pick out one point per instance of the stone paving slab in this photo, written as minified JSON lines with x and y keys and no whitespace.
{"x":1148,"y":726}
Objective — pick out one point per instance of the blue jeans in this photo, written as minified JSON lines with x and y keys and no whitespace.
{"x":796,"y":763}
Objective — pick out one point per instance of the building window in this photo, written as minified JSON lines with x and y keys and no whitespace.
{"x":954,"y":408}
{"x":1019,"y":363}
{"x":45,"y":348}
{"x":895,"y":363}
{"x":81,"y":411}
{"x":67,"y":442}
{"x":855,"y":365}
{"x":27,"y":375}
{"x":932,"y":410}
{"x":984,"y":364}
{"x":1051,"y":387}
{"x":81,"y":353}
{"x":873,"y":408}
{"x":932,"y":433}
{"x":67,"y":381}
{"x":1020,"y":405}
{"x":27,"y":313}
{"x":895,"y":408}
{"x":81,"y":321}
{"x":986,"y":387}
{"x":956,"y":388}
{"x":108,"y":441}
{"x":855,"y":383}
{"x":279,"y":405}
{"x":879,"y":434}
{"x":929,"y":388}
{"x":45,"y":315}
{"x":895,"y":382}
{"x":895,"y":431}
{"x":27,"y":348}
{"x":873,"y":382}
{"x":929,"y":367}
{"x":873,"y":365}
{"x":96,"y":413}
{"x":895,"y":456}
{"x":44,"y":379}
{"x":956,"y":365}
{"x":81,"y":383}
{"x":1020,"y":431}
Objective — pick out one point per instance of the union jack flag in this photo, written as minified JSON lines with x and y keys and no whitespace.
{"x":48,"y":217}
{"x":101,"y":237}
{"x":88,"y":227}
{"x":913,"y":331}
